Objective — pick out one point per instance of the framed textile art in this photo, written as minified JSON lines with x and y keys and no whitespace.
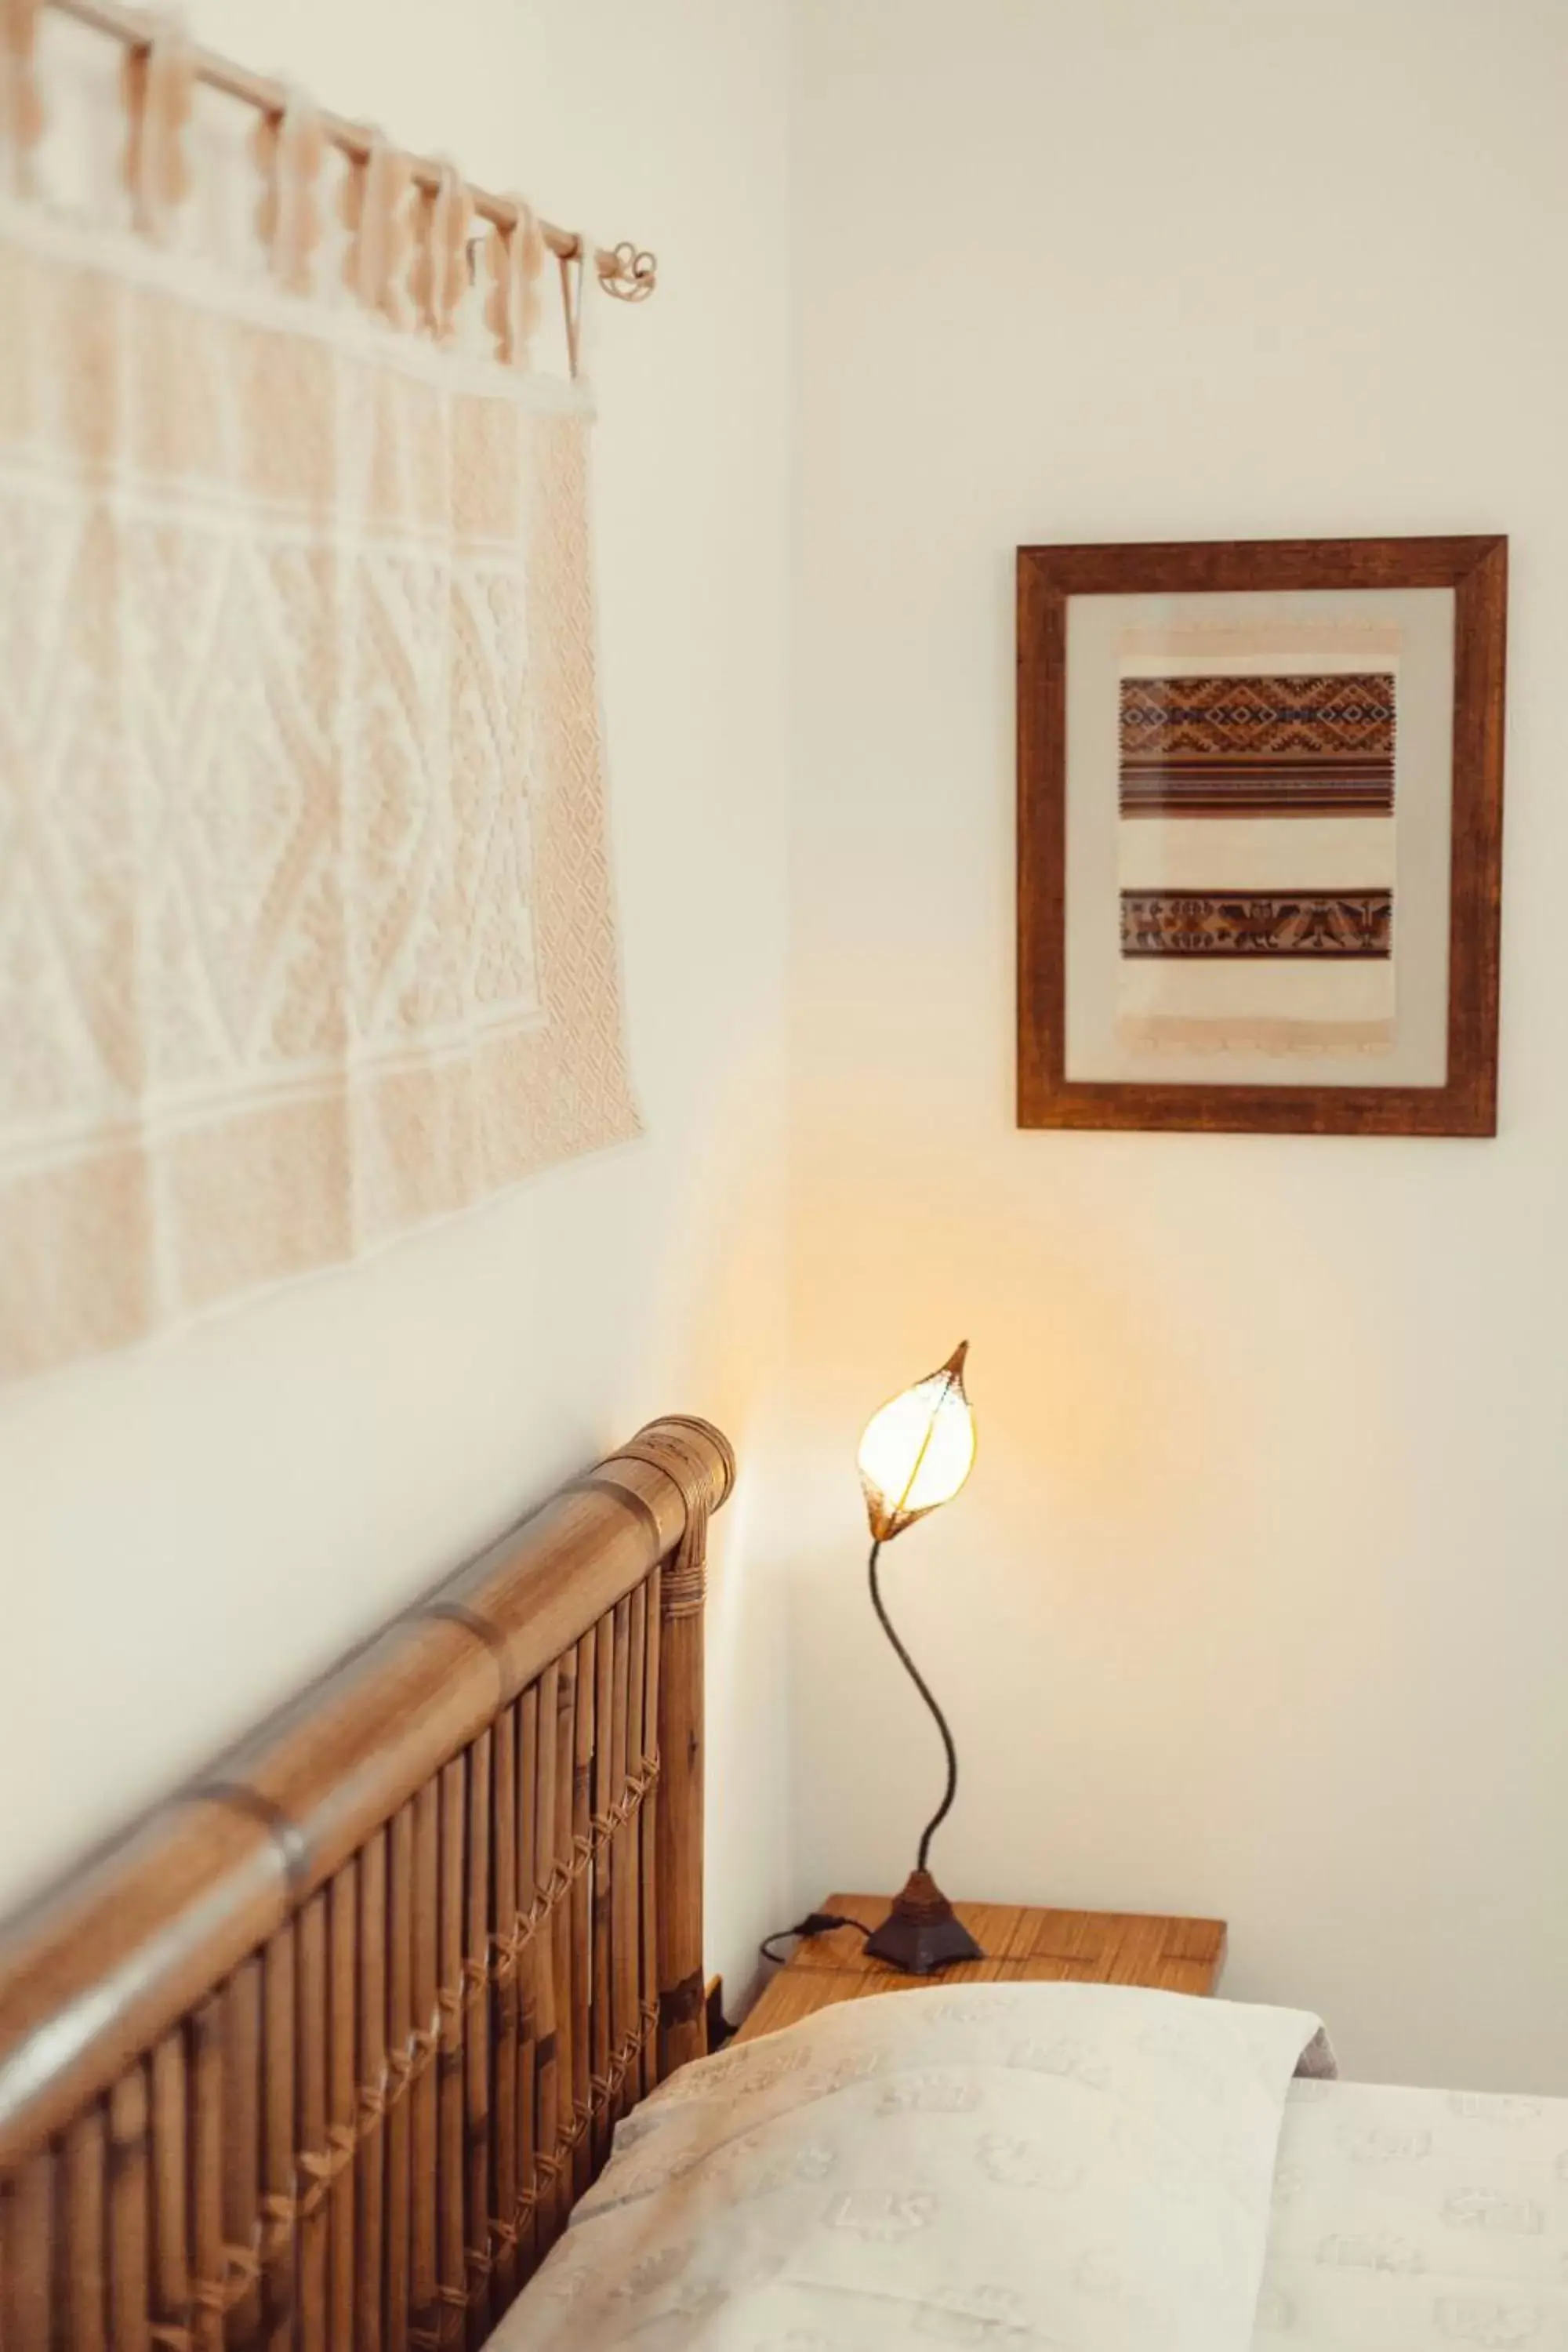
{"x":1259,"y":835}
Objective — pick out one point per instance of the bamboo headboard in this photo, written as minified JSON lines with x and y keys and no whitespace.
{"x":320,"y":2055}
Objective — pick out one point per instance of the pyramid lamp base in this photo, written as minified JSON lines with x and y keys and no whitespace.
{"x":923,"y":1932}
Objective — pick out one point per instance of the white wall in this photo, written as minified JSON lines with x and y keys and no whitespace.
{"x":185,"y":1533}
{"x":1256,"y":1603}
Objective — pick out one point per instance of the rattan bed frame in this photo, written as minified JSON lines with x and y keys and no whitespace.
{"x":321,"y":2054}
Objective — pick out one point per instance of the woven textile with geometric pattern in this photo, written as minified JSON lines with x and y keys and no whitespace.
{"x":305,"y":922}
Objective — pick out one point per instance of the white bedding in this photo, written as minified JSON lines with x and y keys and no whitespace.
{"x":1019,"y":2166}
{"x":1059,"y":2168}
{"x":1418,"y":2222}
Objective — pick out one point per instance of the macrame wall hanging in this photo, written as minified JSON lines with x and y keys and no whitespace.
{"x":305,"y":926}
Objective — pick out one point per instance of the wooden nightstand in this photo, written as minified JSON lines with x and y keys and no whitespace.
{"x":1020,"y":1946}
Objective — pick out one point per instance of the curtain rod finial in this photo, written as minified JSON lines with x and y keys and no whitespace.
{"x":628,"y":275}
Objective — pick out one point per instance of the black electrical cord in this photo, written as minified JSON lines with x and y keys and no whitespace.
{"x":816,"y":1923}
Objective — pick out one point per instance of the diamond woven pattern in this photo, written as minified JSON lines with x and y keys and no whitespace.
{"x":305,"y":921}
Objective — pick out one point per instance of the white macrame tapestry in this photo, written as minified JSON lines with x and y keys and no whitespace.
{"x":305,"y":923}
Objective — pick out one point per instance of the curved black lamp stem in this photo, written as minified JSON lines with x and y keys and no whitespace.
{"x":924,"y":1689}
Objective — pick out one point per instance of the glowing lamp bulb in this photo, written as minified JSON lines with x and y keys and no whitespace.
{"x":917,"y":1451}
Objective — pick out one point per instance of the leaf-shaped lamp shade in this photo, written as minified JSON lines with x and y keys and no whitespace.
{"x":917,"y":1452}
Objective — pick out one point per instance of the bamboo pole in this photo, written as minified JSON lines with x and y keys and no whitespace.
{"x":546,"y":2069}
{"x":604,"y":1795}
{"x":624,"y":1934}
{"x":476,"y":2042}
{"x":293,"y":2164}
{"x":242,"y":2136}
{"x":128,"y":2214}
{"x":311,"y":2060}
{"x":503,"y":2075}
{"x":31,"y":2226}
{"x":85,"y":2267}
{"x":111,"y":1961}
{"x":561,"y":1935}
{"x":277,"y":2137}
{"x":451,"y":2269}
{"x":209,"y":2065}
{"x":630,"y":2088}
{"x":529,"y":2235}
{"x":343,"y":2080}
{"x":683,"y":2016}
{"x":371,"y":1957}
{"x":648,"y":1832}
{"x":174,"y":2129}
{"x":582,"y":1916}
{"x":423,"y":2239}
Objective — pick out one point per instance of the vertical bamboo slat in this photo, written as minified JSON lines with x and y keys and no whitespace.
{"x":343,"y":2102}
{"x":85,"y":2267}
{"x":28,"y":2212}
{"x":648,"y":1838}
{"x":422,"y":2148}
{"x":449,"y":2183}
{"x":279,"y":2231}
{"x":683,"y":2016}
{"x":527,"y":1983}
{"x":209,"y":2068}
{"x":603,"y":1795}
{"x":174,"y":2130}
{"x":242,"y":2138}
{"x":314,"y":2021}
{"x":128,"y":2214}
{"x":582,"y":1920}
{"x":504,"y":2069}
{"x":547,"y":2107}
{"x":624,"y":1931}
{"x":366,"y":2136}
{"x":630,"y":2088}
{"x":369,"y":2165}
{"x":400,"y":2023}
{"x":476,"y":2043}
{"x":561,"y":1937}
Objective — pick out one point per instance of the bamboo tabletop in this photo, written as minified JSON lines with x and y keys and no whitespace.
{"x":1021,"y":1945}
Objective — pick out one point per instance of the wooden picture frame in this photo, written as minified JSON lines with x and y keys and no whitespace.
{"x":1062,"y":1082}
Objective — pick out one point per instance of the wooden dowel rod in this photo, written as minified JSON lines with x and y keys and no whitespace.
{"x":353,"y":139}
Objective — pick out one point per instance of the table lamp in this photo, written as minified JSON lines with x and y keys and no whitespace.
{"x":915,"y":1454}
